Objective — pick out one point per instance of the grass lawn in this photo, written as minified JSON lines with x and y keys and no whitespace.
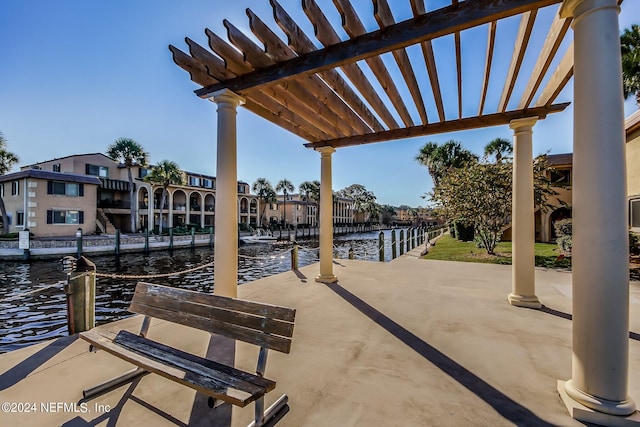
{"x":450,"y":249}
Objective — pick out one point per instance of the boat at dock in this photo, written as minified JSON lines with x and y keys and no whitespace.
{"x":258,"y":236}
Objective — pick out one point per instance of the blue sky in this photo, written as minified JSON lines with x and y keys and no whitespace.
{"x":76,"y":75}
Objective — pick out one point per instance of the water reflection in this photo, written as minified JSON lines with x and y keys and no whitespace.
{"x":28,"y":317}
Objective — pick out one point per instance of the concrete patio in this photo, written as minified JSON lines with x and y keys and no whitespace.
{"x":410,"y":342}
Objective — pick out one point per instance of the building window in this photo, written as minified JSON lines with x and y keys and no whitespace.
{"x":19,"y":218}
{"x":273,"y":206}
{"x":65,"y":217}
{"x":15,"y":188}
{"x":561,"y":177}
{"x":207,"y":183}
{"x":194,"y":182}
{"x":142,"y":172}
{"x":634,"y":213}
{"x":56,"y":167}
{"x":95,"y":170}
{"x":2,"y":190}
{"x":65,"y":188}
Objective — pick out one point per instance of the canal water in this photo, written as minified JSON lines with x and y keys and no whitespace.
{"x":31,"y":310}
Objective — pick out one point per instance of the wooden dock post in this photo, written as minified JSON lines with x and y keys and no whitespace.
{"x":117,"y":243}
{"x":81,"y":297}
{"x":79,"y":242}
{"x":193,"y":237}
{"x":146,"y":241}
{"x":393,"y":244}
{"x":401,"y":242}
{"x":381,"y":246}
{"x":294,"y":257}
{"x":171,"y":239}
{"x":351,"y":255}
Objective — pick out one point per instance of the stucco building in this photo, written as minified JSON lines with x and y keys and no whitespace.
{"x":91,"y":191}
{"x":632,"y":130}
{"x":50,"y":203}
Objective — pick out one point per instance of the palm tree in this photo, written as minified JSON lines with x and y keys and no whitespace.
{"x":286,"y":187}
{"x":439,"y":158}
{"x":498,"y":148}
{"x":429,"y":156}
{"x":7,"y":160}
{"x":165,"y":173}
{"x":310,"y":189}
{"x":630,"y":49}
{"x":266,"y":194}
{"x":129,"y":153}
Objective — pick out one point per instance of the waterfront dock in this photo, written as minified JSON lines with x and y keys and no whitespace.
{"x":409,"y":342}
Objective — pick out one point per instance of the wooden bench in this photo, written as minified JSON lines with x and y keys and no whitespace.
{"x":264,"y":325}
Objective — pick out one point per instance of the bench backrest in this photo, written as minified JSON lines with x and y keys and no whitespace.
{"x":257,"y":323}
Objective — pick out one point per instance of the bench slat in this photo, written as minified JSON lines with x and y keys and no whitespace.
{"x":262,"y":339}
{"x":226,"y":375}
{"x":257,"y":308}
{"x":206,"y":376}
{"x":251,"y":321}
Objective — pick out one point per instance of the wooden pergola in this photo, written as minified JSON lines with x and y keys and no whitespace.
{"x":297,"y":85}
{"x":318,"y":87}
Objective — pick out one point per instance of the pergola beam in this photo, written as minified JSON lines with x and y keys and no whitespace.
{"x":466,"y":123}
{"x":431,"y":25}
{"x":522,"y":42}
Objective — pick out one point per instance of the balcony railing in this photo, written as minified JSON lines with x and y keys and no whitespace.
{"x":114,"y":204}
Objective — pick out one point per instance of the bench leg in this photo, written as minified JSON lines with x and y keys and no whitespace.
{"x":113,"y":383}
{"x":273,"y":414}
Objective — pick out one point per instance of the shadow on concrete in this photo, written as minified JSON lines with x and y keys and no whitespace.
{"x":31,"y":363}
{"x":300,"y":276}
{"x":113,"y":413}
{"x":549,"y":310}
{"x":500,"y":402}
{"x":222,"y":350}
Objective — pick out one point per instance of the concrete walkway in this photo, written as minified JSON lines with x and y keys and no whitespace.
{"x":405,"y":343}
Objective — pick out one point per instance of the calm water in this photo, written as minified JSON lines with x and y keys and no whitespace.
{"x":28,"y":317}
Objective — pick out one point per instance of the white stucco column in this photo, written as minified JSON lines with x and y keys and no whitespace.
{"x":326,"y":217}
{"x":151,"y":207}
{"x":523,"y":292}
{"x":202,"y":210}
{"x":226,"y":217}
{"x":169,"y":222}
{"x":600,"y":237}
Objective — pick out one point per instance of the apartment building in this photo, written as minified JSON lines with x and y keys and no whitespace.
{"x":50,"y":204}
{"x":632,"y":130}
{"x":91,"y":191}
{"x":297,"y":211}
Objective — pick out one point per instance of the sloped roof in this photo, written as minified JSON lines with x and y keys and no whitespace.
{"x":560,"y":159}
{"x":53,"y":176}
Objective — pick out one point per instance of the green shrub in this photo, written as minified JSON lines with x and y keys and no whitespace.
{"x":452,"y":229}
{"x":464,"y":231}
{"x":634,"y":243}
{"x":564,"y":232}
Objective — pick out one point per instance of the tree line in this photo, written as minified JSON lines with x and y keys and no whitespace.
{"x":477,"y":191}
